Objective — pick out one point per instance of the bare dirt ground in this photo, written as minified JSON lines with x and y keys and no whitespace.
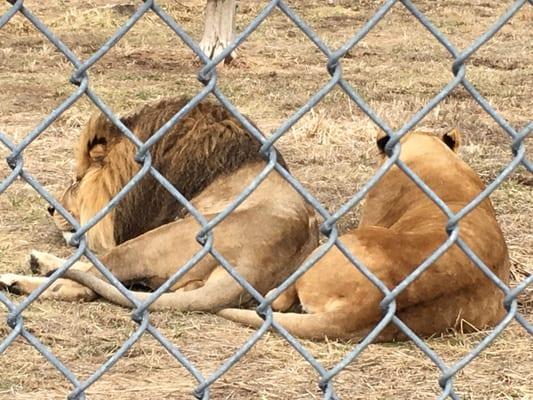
{"x":397,"y":68}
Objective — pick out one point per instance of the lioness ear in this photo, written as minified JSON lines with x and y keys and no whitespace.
{"x":381,"y":140}
{"x":452,"y":139}
{"x":98,"y":152}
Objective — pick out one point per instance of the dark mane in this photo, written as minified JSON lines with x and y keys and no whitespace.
{"x":204,"y":145}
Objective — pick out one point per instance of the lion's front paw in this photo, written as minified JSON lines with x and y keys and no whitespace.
{"x":43,"y":263}
{"x":34,"y":264}
{"x":11,"y":283}
{"x":67,"y":236}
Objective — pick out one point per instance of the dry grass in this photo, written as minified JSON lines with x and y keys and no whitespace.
{"x":397,"y":69}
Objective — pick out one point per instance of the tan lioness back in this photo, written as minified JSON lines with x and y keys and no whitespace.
{"x":401,"y":227}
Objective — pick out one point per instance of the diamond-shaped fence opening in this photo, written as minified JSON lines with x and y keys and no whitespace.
{"x":207,"y":75}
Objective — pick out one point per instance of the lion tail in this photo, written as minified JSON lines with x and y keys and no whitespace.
{"x":330,"y":324}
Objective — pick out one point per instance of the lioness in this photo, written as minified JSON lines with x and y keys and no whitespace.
{"x":210,"y":158}
{"x":400,"y":228}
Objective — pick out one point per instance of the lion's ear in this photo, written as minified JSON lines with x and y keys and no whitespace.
{"x":98,"y":152}
{"x":452,"y":139}
{"x":381,"y":140}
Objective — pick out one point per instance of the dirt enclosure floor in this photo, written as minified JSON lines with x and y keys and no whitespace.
{"x":397,"y":68}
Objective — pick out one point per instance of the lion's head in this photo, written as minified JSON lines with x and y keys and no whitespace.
{"x":69,"y":200}
{"x":435,"y":161}
{"x":94,"y":184}
{"x":204,"y":145}
{"x":419,"y":141}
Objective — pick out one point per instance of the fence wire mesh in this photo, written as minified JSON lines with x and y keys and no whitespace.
{"x":207,"y":75}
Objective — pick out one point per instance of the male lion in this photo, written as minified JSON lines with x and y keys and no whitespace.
{"x":400,"y":228}
{"x":210,"y":158}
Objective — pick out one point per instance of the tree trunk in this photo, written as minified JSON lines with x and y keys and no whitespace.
{"x":219,"y":30}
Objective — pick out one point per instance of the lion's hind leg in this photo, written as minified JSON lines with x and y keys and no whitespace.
{"x":285,"y":300}
{"x":61,"y":289}
{"x":192,"y":285}
{"x":219,"y":291}
{"x":44,"y":263}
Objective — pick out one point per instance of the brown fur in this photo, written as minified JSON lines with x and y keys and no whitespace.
{"x":207,"y":143}
{"x":400,"y":228}
{"x":211,"y":160}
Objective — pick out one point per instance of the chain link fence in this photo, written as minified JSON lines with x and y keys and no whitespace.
{"x":207,"y":75}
